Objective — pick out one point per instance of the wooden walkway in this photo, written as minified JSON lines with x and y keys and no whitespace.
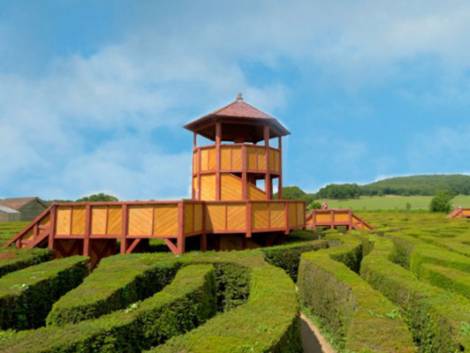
{"x":332,"y":218}
{"x":93,"y":229}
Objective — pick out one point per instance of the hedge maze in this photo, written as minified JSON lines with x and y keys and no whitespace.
{"x":403,"y":288}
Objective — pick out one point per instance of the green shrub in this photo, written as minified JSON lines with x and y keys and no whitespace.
{"x":117,"y":282}
{"x":12,"y":259}
{"x":232,"y":282}
{"x":359,"y":318}
{"x":437,"y":318}
{"x":26,"y":296}
{"x":185,"y":303}
{"x":266,"y":323}
{"x":441,"y":202}
{"x":287,"y":256}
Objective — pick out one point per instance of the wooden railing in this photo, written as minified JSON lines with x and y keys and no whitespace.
{"x":232,"y":157}
{"x":335,"y":217}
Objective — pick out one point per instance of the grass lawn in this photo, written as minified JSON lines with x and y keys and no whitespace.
{"x":391,"y":202}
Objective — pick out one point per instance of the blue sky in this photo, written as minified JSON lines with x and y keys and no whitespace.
{"x":93,"y":94}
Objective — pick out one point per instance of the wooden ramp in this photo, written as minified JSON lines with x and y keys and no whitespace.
{"x":95,"y":228}
{"x":333,"y":218}
{"x":459,"y":213}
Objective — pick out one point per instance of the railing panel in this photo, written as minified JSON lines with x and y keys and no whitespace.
{"x":236,"y":217}
{"x":166,"y":220}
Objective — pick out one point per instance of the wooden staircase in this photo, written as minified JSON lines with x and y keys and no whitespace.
{"x":35,"y":234}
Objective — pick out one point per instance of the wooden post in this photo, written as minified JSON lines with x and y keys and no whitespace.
{"x":199,"y":165}
{"x":279,"y":187}
{"x":194,"y":155}
{"x":248,"y":219}
{"x":86,"y":236}
{"x":124,"y":229}
{"x":244,"y":173}
{"x":52,"y":230}
{"x":218,"y":138}
{"x":267,"y":176}
{"x":203,"y":242}
{"x":350,"y":225}
{"x":180,"y":241}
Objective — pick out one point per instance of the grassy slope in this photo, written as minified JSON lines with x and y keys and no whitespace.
{"x":392,"y":202}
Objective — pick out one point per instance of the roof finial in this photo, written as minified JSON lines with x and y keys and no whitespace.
{"x":239,"y":97}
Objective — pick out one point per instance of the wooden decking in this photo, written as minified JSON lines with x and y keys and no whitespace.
{"x":333,"y":218}
{"x":94,"y":228}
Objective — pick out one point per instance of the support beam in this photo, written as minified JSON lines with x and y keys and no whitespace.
{"x":133,"y":245}
{"x":279,"y":191}
{"x":245,"y":195}
{"x":52,"y":232}
{"x":218,"y":140}
{"x":180,"y":240}
{"x":86,"y":236}
{"x":124,"y":229}
{"x":267,"y":176}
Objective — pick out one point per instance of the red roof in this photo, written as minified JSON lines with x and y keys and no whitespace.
{"x":237,"y":111}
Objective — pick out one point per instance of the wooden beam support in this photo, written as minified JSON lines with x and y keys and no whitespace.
{"x":218,"y":140}
{"x":171,"y":246}
{"x":124,"y":228}
{"x":249,"y":225}
{"x":279,"y":187}
{"x":52,"y":231}
{"x":180,"y":243}
{"x":133,"y":245}
{"x":267,"y":176}
{"x":245,"y":195}
{"x":86,"y":236}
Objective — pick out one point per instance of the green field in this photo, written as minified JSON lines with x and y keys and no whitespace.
{"x":392,"y":202}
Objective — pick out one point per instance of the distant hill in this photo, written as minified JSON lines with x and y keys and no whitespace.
{"x":419,"y":185}
{"x":425,"y":185}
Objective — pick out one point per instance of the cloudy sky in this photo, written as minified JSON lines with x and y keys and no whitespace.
{"x":93,"y":94}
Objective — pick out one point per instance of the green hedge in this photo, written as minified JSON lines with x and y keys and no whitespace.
{"x":185,"y":303}
{"x":413,"y":253}
{"x":268,"y":322}
{"x":12,"y":259}
{"x":447,"y":278}
{"x":26,"y":296}
{"x":439,"y":320}
{"x":117,"y":282}
{"x":287,"y":256}
{"x":359,"y":318}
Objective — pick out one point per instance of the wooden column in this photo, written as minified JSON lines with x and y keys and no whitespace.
{"x":124,"y":227}
{"x":248,"y":220}
{"x":218,"y":139}
{"x":52,"y":230}
{"x":199,"y":165}
{"x":279,"y":191}
{"x":86,"y":236}
{"x":245,"y":195}
{"x":194,"y":160}
{"x":180,"y":240}
{"x":267,"y":176}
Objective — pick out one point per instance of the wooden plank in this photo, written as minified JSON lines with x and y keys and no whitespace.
{"x":260,"y":215}
{"x":198,"y":217}
{"x":236,"y":217}
{"x":114,"y":220}
{"x":215,"y":217}
{"x":98,"y":220}
{"x":278,"y":217}
{"x":63,"y":221}
{"x":140,"y":220}
{"x":78,"y":220}
{"x":208,"y":187}
{"x":231,"y":187}
{"x":166,"y":220}
{"x":188,"y":218}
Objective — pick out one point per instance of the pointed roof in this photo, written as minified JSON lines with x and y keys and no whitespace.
{"x":237,"y":112}
{"x":18,"y":202}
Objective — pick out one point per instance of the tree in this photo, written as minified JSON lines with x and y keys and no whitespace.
{"x":314,"y":205}
{"x":441,"y":202}
{"x":98,"y":197}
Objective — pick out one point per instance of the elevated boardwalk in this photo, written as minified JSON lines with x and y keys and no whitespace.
{"x":93,"y":229}
{"x":332,"y":218}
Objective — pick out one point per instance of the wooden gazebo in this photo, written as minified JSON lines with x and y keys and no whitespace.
{"x":232,"y":194}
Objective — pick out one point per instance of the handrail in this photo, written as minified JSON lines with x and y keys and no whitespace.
{"x":33,"y":223}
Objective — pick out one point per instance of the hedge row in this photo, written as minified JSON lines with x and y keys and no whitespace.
{"x":287,"y":256}
{"x":438,"y":319}
{"x":413,"y":253}
{"x":182,"y":305}
{"x":26,"y":296}
{"x":117,"y":282}
{"x":359,"y":318}
{"x":266,"y":323}
{"x":447,"y":278}
{"x":12,"y":259}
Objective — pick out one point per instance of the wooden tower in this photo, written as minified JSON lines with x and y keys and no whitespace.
{"x":240,"y":157}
